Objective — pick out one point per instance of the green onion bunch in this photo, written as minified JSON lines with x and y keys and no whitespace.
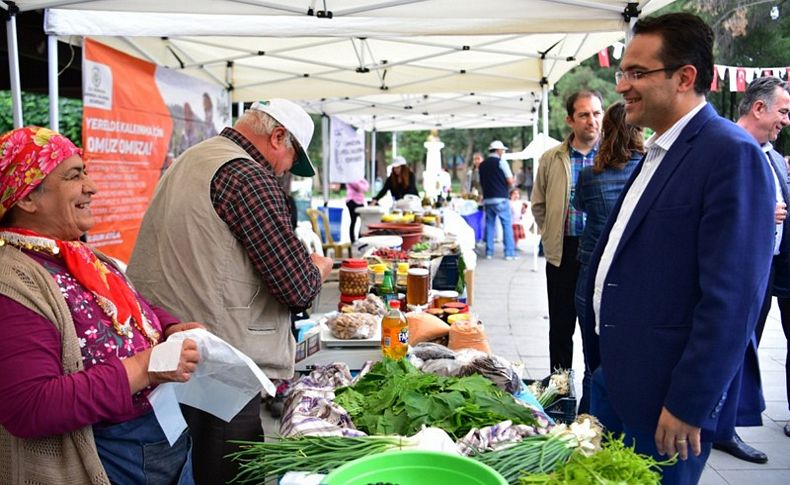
{"x":533,"y":454}
{"x":314,"y":454}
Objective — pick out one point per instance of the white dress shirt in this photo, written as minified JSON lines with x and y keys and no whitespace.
{"x":657,"y":147}
{"x":779,"y":198}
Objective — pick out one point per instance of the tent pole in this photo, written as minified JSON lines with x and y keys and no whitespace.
{"x":325,"y":156}
{"x":52,"y":55}
{"x":239,"y":110}
{"x":545,"y":109}
{"x":373,"y":159}
{"x":13,"y":64}
{"x":394,"y":144}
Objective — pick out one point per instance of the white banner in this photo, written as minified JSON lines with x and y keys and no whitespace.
{"x":346,"y":152}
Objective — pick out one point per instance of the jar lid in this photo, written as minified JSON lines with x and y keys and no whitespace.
{"x":456,"y":304}
{"x":459,"y":317}
{"x":350,"y":298}
{"x":354,"y":263}
{"x":448,"y":294}
{"x":418,"y":271}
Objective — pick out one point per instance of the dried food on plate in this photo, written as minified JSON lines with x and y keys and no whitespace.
{"x":350,"y":326}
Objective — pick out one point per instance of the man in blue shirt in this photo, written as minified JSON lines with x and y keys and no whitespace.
{"x":496,"y":180}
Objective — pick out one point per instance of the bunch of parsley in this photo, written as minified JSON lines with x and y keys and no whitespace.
{"x":394,"y":397}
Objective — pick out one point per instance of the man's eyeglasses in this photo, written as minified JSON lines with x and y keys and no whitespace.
{"x":634,"y":75}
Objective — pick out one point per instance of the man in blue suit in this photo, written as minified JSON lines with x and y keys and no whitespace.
{"x":763,"y":113}
{"x":678,"y":277}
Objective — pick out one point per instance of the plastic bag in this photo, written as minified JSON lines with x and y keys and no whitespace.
{"x":424,"y":327}
{"x":371,"y":304}
{"x":468,"y":335}
{"x":350,"y":326}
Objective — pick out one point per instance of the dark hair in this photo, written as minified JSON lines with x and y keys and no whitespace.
{"x":618,"y":140}
{"x":401,"y":176}
{"x":761,"y":89}
{"x":686,"y":39}
{"x":584,"y":93}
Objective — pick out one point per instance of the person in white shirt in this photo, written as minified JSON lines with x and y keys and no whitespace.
{"x":763,"y":114}
{"x":677,"y":279}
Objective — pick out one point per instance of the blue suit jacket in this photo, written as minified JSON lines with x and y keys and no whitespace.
{"x":683,"y":293}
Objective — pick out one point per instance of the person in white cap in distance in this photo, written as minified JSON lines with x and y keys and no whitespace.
{"x":217,"y":242}
{"x":496,"y":179}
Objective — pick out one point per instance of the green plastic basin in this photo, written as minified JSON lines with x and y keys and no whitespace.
{"x":414,"y":467}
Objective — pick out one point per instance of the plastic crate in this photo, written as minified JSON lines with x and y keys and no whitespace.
{"x":335,"y":220}
{"x":563,"y":410}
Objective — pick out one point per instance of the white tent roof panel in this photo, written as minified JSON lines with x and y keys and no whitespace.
{"x":368,"y":49}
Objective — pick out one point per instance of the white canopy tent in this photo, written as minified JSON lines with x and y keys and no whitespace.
{"x":379,"y":64}
{"x":334,"y":49}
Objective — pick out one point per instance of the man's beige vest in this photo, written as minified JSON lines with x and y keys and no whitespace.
{"x":187,"y":261}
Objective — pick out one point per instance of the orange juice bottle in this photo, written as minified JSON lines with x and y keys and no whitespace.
{"x":394,"y":332}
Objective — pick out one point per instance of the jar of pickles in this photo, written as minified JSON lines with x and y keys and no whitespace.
{"x":353,"y":277}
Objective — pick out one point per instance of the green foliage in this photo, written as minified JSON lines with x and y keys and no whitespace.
{"x":615,"y":463}
{"x":35,"y":111}
{"x":396,"y":398}
{"x":588,"y":75}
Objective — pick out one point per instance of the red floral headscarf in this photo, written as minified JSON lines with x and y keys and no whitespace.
{"x":27,"y":156}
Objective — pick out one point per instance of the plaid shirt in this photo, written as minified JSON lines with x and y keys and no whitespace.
{"x":248,"y":197}
{"x":575,"y":219}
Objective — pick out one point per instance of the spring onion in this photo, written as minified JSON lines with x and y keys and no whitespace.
{"x":314,"y":454}
{"x":544,"y":453}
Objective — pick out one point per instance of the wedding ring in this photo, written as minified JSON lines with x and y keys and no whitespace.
{"x":680,"y":441}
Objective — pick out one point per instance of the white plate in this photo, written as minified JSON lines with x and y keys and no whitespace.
{"x":331,"y":341}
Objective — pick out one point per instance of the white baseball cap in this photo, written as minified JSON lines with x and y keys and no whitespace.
{"x":398,"y":161}
{"x":496,"y":145}
{"x":298,"y":123}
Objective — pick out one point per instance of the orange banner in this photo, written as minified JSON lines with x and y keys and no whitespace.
{"x":126,"y":130}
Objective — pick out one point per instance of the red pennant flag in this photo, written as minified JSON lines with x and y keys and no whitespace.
{"x":603,"y":57}
{"x":714,"y":84}
{"x":740,"y":79}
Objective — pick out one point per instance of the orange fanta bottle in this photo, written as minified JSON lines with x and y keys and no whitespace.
{"x":394,"y":332}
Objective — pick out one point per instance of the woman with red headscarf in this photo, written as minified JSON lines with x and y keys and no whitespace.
{"x":75,"y":338}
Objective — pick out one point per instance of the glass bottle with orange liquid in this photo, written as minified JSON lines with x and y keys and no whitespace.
{"x":394,"y":332}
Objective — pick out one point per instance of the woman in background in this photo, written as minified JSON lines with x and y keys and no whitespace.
{"x":597,"y":191}
{"x":355,"y":197}
{"x":400,"y":182}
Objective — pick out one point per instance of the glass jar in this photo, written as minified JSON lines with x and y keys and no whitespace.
{"x":347,"y":301}
{"x":353,"y":277}
{"x":444,"y":297}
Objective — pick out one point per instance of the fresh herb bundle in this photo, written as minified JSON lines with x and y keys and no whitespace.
{"x":614,"y":464}
{"x":394,"y":397}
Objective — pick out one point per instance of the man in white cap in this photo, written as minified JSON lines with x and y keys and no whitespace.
{"x":496,"y":180}
{"x":217,"y":244}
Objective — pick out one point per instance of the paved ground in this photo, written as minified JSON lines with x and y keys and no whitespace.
{"x":511,"y":300}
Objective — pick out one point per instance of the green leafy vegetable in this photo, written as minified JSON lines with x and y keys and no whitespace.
{"x":396,"y":398}
{"x":614,"y":464}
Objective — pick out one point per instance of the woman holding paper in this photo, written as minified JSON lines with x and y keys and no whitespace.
{"x":75,"y":338}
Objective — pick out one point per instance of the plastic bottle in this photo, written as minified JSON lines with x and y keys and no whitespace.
{"x":387,"y":291}
{"x":394,"y":333}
